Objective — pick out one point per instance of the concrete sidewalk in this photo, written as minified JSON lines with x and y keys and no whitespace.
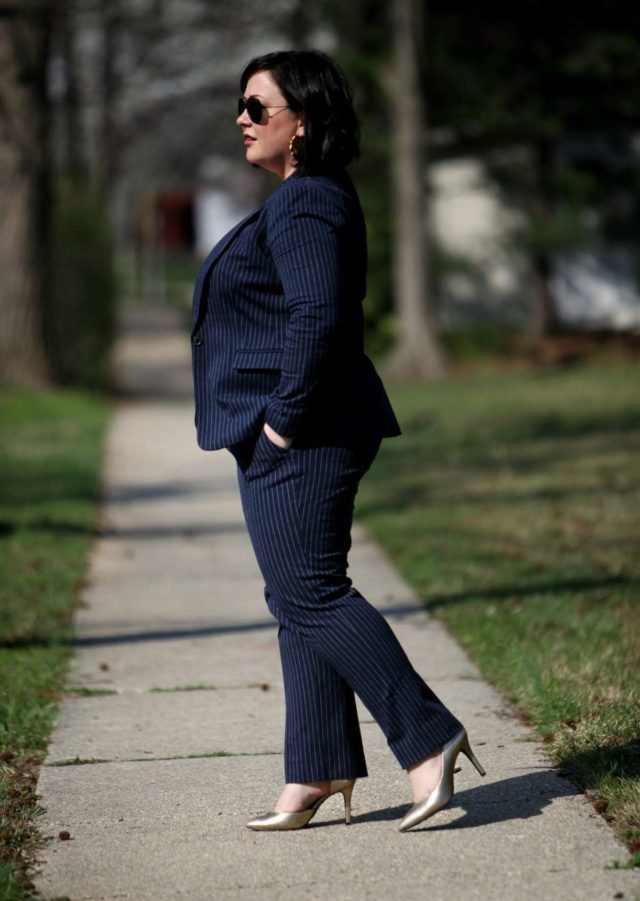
{"x":174,"y":739}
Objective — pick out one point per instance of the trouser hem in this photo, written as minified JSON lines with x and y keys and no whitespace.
{"x":300,"y":774}
{"x":439,"y":734}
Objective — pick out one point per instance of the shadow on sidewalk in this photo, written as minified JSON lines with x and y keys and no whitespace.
{"x":208,"y":631}
{"x":517,"y":798}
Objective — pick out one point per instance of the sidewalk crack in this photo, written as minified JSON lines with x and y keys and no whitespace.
{"x":85,"y":761}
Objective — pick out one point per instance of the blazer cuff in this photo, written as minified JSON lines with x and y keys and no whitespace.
{"x":284,"y":424}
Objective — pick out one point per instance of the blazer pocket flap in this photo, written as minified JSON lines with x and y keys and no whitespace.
{"x":258,"y":358}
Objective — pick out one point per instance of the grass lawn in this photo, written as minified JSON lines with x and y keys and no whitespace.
{"x":50,"y":454}
{"x":512,"y":504}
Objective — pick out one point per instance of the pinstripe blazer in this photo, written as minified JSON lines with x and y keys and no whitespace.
{"x":278,"y":325}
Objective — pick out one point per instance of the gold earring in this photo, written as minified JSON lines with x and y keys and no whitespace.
{"x":294,"y":145}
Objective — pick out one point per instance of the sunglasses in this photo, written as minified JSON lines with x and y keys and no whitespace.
{"x":256,"y":111}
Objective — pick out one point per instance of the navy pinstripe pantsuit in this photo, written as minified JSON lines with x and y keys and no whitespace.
{"x":278,"y":338}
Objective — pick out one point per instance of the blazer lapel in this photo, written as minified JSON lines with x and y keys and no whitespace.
{"x":217,"y":251}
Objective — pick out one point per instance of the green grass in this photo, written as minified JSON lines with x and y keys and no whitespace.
{"x":50,"y":450}
{"x":512,"y":504}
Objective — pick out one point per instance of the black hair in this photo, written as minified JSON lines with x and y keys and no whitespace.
{"x":313,"y":82}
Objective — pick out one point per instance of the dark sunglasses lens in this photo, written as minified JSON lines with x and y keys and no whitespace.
{"x":253,"y":107}
{"x":256,"y":110}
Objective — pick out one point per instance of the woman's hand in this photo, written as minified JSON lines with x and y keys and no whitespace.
{"x":277,"y":439}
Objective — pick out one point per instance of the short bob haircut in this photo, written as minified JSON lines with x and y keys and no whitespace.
{"x":314,"y":83}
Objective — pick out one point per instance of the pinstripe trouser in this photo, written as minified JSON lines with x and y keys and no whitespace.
{"x":298,"y":506}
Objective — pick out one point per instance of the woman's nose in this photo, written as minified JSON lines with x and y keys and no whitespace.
{"x":243,"y":118}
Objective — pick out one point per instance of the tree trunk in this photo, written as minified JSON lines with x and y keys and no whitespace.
{"x":417,"y":353}
{"x":73,"y":161}
{"x":24,"y":33}
{"x":111,"y":15}
{"x":542,"y":320}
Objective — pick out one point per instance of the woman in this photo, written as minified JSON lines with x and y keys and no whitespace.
{"x":282,"y":381}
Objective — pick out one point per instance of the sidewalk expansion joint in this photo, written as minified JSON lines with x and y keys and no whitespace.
{"x":85,"y":761}
{"x":263,"y":686}
{"x":82,"y":691}
{"x":85,"y":691}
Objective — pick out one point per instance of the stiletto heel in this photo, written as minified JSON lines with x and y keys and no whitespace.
{"x":347,"y":791}
{"x":296,"y":819}
{"x":441,"y":795}
{"x":465,"y":747}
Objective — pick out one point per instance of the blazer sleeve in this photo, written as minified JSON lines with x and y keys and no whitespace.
{"x":304,"y":235}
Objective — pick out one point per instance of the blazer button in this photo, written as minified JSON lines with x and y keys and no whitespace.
{"x":197,"y":341}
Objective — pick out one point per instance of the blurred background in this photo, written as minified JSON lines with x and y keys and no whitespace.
{"x":499,"y":170}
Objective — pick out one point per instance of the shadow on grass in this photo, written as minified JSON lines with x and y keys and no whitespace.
{"x":588,"y":767}
{"x":34,"y":486}
{"x":509,"y":592}
{"x":520,"y":444}
{"x":436,"y":496}
{"x":530,"y":426}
